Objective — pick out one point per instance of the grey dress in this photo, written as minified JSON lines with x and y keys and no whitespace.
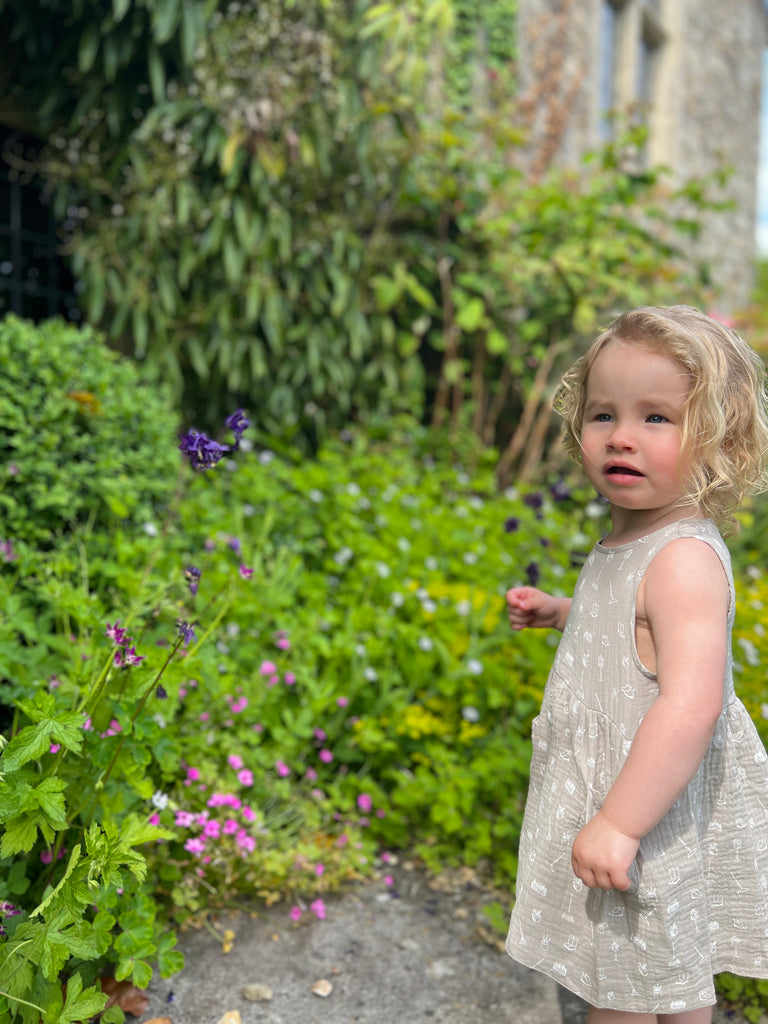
{"x":698,"y":904}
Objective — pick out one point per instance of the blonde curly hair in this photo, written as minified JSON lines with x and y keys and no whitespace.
{"x":725,"y":417}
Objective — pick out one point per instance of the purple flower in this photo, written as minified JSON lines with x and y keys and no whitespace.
{"x":533,"y":573}
{"x":192,"y":575}
{"x":7,"y":552}
{"x":132,"y":658}
{"x":202,"y":452}
{"x":115,"y":633}
{"x":238,"y":423}
{"x":533,"y":500}
{"x":511,"y":524}
{"x":186,"y":632}
{"x":560,"y":490}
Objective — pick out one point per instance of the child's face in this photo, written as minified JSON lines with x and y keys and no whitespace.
{"x":631,"y":434}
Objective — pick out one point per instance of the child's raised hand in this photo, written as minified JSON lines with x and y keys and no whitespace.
{"x":602,"y":855}
{"x":530,"y":608}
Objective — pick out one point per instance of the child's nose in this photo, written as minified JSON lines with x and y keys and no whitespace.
{"x":621,"y":437}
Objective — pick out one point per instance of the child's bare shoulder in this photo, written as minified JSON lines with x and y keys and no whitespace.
{"x":686,"y":569}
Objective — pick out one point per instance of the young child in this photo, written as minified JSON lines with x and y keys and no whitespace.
{"x":643,"y":864}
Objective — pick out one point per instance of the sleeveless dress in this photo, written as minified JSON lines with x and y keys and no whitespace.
{"x":698,"y":903}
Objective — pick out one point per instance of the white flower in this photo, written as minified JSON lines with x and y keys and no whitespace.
{"x":397,"y":599}
{"x":425,"y":643}
{"x":248,"y":510}
{"x":353,"y":489}
{"x":381,"y":521}
{"x":403,"y":544}
{"x":160,"y":800}
{"x":470,"y":714}
{"x":430,"y":563}
{"x":595,"y":510}
{"x":470,"y":558}
{"x":360,"y":650}
{"x":474,"y":667}
{"x":751,"y":653}
{"x":429,"y":607}
{"x":764,"y":710}
{"x":315,"y":495}
{"x":343,"y":556}
{"x":464,"y":607}
{"x":246,"y":445}
{"x":370,"y":674}
{"x":477,"y":503}
{"x":265,"y":457}
{"x":383,"y":569}
{"x":233,"y":629}
{"x":150,"y":529}
{"x":222,"y":647}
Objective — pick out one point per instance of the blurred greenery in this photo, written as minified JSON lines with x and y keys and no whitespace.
{"x":307,"y":211}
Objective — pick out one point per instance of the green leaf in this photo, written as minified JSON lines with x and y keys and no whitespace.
{"x":471,"y":315}
{"x":81,"y":1004}
{"x":19,"y":836}
{"x":89,"y":47}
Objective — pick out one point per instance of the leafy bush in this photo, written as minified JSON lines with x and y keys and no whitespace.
{"x":352,"y":688}
{"x":84,"y":435}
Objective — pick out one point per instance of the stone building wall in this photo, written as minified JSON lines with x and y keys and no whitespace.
{"x":696,"y":64}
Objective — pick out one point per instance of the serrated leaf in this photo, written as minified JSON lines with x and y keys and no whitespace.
{"x":19,"y":836}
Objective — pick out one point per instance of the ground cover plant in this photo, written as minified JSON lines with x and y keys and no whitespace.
{"x":264,"y":683}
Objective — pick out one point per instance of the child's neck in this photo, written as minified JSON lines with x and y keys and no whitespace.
{"x":628,"y":525}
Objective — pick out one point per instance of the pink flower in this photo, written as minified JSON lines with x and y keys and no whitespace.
{"x":240,"y":705}
{"x":55,"y":748}
{"x":310,"y":774}
{"x":230,"y":827}
{"x":154,"y":819}
{"x":46,"y":856}
{"x":282,"y":769}
{"x":248,"y":814}
{"x":389,"y":880}
{"x":319,"y":870}
{"x":245,"y":777}
{"x":289,"y":679}
{"x":235,"y":762}
{"x":342,"y":701}
{"x":295,"y":914}
{"x":245,"y":572}
{"x":267,"y":668}
{"x":194,"y":845}
{"x":204,"y":716}
{"x":184,"y":819}
{"x":212,"y":829}
{"x":283,"y":644}
{"x":246,"y":843}
{"x":325,"y":756}
{"x":318,"y":909}
{"x":320,"y":735}
{"x":364,"y":802}
{"x":193,"y":774}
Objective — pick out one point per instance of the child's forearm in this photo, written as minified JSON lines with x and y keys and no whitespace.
{"x":667,"y":750}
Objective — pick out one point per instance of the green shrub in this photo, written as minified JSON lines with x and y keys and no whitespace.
{"x":84,"y":435}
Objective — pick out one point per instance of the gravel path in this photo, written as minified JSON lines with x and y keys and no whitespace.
{"x":417,"y":952}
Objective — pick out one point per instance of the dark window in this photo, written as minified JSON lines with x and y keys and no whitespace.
{"x":34,"y":280}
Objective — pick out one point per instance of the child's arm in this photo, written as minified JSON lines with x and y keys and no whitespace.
{"x":686,"y":606}
{"x":531,"y":608}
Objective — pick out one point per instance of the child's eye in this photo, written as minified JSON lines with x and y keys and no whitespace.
{"x":656,"y":417}
{"x":603,"y":417}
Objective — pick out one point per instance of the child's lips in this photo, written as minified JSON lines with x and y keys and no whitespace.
{"x":621,"y":471}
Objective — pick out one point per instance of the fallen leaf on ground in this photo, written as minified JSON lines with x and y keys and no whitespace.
{"x":230,"y":1017}
{"x":322,"y":988}
{"x":159,"y":1020}
{"x":125,"y":995}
